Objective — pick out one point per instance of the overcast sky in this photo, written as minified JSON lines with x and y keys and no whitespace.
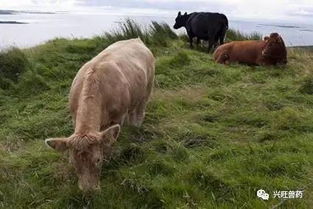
{"x":292,"y":10}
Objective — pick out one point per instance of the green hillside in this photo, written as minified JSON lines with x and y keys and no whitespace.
{"x":213,"y":134}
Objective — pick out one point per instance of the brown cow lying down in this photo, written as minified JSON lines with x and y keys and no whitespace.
{"x":111,"y":88}
{"x":270,"y":51}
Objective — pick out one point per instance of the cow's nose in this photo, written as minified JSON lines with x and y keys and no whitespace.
{"x":89,"y":188}
{"x":97,"y":188}
{"x":81,"y":187}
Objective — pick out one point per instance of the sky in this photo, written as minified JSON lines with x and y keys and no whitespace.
{"x":292,"y":10}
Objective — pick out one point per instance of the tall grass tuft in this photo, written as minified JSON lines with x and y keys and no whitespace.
{"x":159,"y":33}
{"x":128,"y":29}
{"x":155,"y":34}
{"x":236,"y":35}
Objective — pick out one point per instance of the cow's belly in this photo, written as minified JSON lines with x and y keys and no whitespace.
{"x":245,"y":54}
{"x":124,"y":97}
{"x":138,"y":80}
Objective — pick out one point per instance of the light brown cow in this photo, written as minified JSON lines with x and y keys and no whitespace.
{"x":270,"y":51}
{"x":111,"y":88}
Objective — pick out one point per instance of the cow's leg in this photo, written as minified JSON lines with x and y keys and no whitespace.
{"x":210,"y":45}
{"x":222,"y":40}
{"x":198,"y":41}
{"x":140,"y":110}
{"x":190,"y":41}
{"x":190,"y":36}
{"x":132,"y":117}
{"x":223,"y":58}
{"x":212,"y":42}
{"x":137,"y":115}
{"x":120,"y":120}
{"x":222,"y":37}
{"x":140,"y":114}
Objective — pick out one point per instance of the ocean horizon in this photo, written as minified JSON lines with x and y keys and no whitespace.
{"x":25,"y":29}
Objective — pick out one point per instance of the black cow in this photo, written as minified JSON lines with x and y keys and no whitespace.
{"x":206,"y":26}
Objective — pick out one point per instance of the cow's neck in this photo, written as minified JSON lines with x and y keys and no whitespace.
{"x":89,"y":114}
{"x":88,"y":117}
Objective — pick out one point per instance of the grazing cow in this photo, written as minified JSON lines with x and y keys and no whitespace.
{"x":114,"y":86}
{"x":206,"y":26}
{"x":270,"y":51}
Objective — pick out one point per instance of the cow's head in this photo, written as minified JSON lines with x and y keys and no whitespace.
{"x":86,"y":154}
{"x":180,"y":20}
{"x":275,"y":48}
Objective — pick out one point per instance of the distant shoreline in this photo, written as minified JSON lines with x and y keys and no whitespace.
{"x":280,"y":26}
{"x":308,"y":47}
{"x":12,"y":22}
{"x":14,"y":12}
{"x":7,"y":12}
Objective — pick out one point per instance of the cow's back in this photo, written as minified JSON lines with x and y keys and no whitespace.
{"x":249,"y":52}
{"x":131,"y":56}
{"x":203,"y":24}
{"x":122,"y":73}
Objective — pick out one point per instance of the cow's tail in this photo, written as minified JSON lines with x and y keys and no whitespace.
{"x":226,"y":24}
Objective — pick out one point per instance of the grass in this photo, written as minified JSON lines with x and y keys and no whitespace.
{"x":236,"y":35}
{"x":213,"y":134}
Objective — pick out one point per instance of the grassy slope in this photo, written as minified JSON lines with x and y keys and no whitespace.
{"x":213,"y":134}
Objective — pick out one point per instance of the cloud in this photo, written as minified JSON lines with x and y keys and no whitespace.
{"x":261,"y":9}
{"x":48,"y":5}
{"x":156,"y":4}
{"x":301,"y":10}
{"x":243,"y":9}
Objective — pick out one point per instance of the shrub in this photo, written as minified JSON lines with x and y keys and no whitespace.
{"x":32,"y":83}
{"x":5,"y":83}
{"x":13,"y":63}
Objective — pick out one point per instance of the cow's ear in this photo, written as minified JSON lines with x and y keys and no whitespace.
{"x":179,"y":13}
{"x":110,"y":135}
{"x":279,"y":39}
{"x":266,"y":38}
{"x":59,"y":144}
{"x":185,"y":13}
